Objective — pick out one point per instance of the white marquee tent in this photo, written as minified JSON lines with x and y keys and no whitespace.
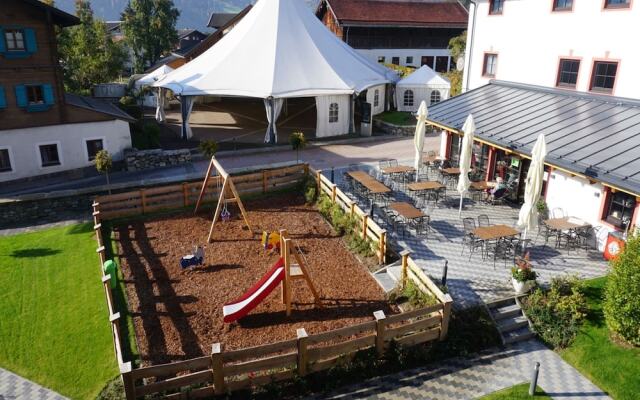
{"x":280,"y":50}
{"x":149,"y":79}
{"x":424,"y":84}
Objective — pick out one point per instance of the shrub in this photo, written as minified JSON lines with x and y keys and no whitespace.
{"x":557,"y":314}
{"x":622,"y":294}
{"x":412,"y":295}
{"x":359,"y":245}
{"x":208,"y":148}
{"x":145,"y":136}
{"x":127,"y":100}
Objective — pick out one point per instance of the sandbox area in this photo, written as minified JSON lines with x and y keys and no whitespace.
{"x":178,"y":313}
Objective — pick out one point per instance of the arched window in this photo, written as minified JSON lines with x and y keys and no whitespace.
{"x":435,"y":96}
{"x":376,"y":98}
{"x":333,"y":112}
{"x":408,"y":98}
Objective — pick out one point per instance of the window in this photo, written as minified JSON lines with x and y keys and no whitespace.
{"x":603,"y":77}
{"x":381,"y":59}
{"x":333,"y":112}
{"x":49,"y":155}
{"x":14,"y":38}
{"x":408,"y":98}
{"x":427,"y":60}
{"x":489,"y":66}
{"x":395,"y":60}
{"x":481,"y":159}
{"x":568,"y":73}
{"x":617,"y":3}
{"x":495,"y":6}
{"x":34,"y":94}
{"x":562,"y":5}
{"x":619,"y":211}
{"x":442,"y":63}
{"x":435,"y":96}
{"x":5,"y":161}
{"x":409,"y":60}
{"x":376,"y":98}
{"x":93,"y":147}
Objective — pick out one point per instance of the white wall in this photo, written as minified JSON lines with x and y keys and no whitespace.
{"x":381,"y":98}
{"x":530,"y":39}
{"x":25,"y":155}
{"x":341,"y":127}
{"x":373,"y":54}
{"x":578,"y":198}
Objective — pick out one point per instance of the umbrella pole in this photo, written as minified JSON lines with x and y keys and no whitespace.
{"x":461,"y":198}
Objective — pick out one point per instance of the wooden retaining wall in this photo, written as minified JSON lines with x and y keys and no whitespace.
{"x":368,"y":227}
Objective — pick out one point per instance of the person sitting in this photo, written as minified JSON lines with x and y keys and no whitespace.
{"x":497,"y":191}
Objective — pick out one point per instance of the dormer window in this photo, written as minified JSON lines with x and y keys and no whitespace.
{"x":14,"y":39}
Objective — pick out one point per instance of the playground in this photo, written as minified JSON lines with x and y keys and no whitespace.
{"x":178,"y":312}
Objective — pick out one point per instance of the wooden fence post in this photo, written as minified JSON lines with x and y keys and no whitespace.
{"x":185,"y":193}
{"x":365,"y":225}
{"x":143,"y":200}
{"x":352,"y":208}
{"x":127,"y":380}
{"x":264,"y":181}
{"x":318,"y":174}
{"x":106,"y":282}
{"x":382,"y":257}
{"x":98,"y":229}
{"x":302,"y":351}
{"x":405,"y":262}
{"x":380,"y":327}
{"x":446,"y":316}
{"x":216,"y":367}
{"x":101,"y":252}
{"x":333,"y":192}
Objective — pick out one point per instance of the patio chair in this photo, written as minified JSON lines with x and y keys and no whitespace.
{"x":421,"y":224}
{"x":469,"y":239}
{"x":557,"y":213}
{"x":483,"y":220}
{"x":499,"y":249}
{"x":545,"y":231}
{"x":393,"y":162}
{"x":588,"y":235}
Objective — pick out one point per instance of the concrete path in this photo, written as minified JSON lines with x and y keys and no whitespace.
{"x":470,"y":378}
{"x":14,"y":387}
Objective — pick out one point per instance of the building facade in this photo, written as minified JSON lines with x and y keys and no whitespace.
{"x":42,"y":129}
{"x":587,"y":46}
{"x":402,"y":32}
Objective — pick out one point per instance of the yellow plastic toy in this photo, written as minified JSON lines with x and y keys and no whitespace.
{"x":270,"y":240}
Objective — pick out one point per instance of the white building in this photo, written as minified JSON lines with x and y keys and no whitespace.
{"x":584,"y":45}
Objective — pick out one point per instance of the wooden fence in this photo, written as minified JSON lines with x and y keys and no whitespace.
{"x":186,"y":194}
{"x":368,"y":227}
{"x":229,"y":370}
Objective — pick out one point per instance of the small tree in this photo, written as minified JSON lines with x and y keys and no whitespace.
{"x":298,"y":142}
{"x":622,"y":294}
{"x":104,"y":163}
{"x":208,"y":148}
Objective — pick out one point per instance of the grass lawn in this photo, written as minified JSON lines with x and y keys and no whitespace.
{"x":614,"y":368}
{"x":397,"y":117}
{"x":517,"y":392}
{"x":54,"y":328}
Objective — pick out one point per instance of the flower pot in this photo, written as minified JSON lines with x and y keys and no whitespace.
{"x":522,"y":287}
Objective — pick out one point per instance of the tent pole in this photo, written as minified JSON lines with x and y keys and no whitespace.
{"x":183,"y":112}
{"x":352,"y":121}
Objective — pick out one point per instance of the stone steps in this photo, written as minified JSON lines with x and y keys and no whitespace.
{"x":510,"y":320}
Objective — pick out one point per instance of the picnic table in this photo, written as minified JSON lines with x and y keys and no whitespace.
{"x":406,"y":210}
{"x":398,"y":169}
{"x":425,"y":185}
{"x":493,"y":232}
{"x":566,"y":223}
{"x":371,"y":183}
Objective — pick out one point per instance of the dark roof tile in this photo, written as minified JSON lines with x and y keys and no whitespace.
{"x":433,"y":13}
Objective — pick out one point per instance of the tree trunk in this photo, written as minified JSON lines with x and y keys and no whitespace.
{"x":108,"y":184}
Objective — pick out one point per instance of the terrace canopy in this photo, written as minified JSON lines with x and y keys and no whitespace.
{"x":280,"y":50}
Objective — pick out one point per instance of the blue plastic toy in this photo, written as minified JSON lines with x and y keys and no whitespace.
{"x":190,"y":260}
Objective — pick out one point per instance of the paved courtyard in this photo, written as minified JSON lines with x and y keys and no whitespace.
{"x":14,"y":387}
{"x":473,"y":280}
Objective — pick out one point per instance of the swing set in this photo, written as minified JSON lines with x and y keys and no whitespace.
{"x":227,"y":193}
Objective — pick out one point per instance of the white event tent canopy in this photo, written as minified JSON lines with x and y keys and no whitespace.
{"x":424,"y":84}
{"x":280,"y":50}
{"x":149,"y":79}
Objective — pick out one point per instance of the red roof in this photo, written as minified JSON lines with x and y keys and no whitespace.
{"x":399,"y":12}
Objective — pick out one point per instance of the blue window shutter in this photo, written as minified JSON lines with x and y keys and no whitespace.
{"x":3,"y":98}
{"x":21,"y":96}
{"x":47,"y":93}
{"x":3,"y":46}
{"x":30,"y":40}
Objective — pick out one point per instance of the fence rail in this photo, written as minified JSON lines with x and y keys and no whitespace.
{"x":368,"y":228}
{"x":230,"y":370}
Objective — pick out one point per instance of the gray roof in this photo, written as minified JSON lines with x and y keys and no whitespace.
{"x":218,"y":20}
{"x":593,"y":135}
{"x":101,"y":106}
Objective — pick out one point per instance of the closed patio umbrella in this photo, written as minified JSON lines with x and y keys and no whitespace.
{"x":466,"y":151}
{"x":528,"y":217}
{"x":418,"y":139}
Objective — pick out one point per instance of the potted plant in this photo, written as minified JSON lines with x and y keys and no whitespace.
{"x":298,"y":142}
{"x":523,"y":277}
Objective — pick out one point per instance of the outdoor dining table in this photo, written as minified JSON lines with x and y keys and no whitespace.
{"x":481,"y":185}
{"x":450,"y":171}
{"x":398,"y":169}
{"x":425,"y":185}
{"x":406,"y":210}
{"x":566,"y":223}
{"x":431,"y":159}
{"x":494,"y":232}
{"x":372,"y":184}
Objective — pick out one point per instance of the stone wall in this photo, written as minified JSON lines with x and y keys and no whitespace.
{"x":40,"y":209}
{"x":391,"y":129}
{"x":147,"y":159}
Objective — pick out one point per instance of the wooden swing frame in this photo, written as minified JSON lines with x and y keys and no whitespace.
{"x":293,"y":272}
{"x":228,"y":193}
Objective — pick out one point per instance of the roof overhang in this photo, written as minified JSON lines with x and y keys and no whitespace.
{"x":59,"y":17}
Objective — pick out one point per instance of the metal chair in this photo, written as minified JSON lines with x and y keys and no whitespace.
{"x":483,"y":220}
{"x":557,"y":213}
{"x":469,"y":238}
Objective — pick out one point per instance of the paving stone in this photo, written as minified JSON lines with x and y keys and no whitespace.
{"x":14,"y":387}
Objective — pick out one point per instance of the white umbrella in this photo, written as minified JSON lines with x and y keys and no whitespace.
{"x":528,"y":218}
{"x":418,"y":139}
{"x":469,"y":129}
